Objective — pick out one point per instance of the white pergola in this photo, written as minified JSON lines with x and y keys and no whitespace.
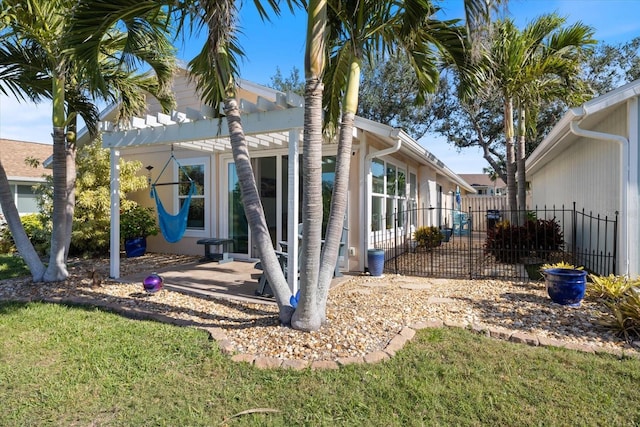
{"x":266,"y":124}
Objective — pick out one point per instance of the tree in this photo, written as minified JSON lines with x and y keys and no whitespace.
{"x":92,"y":214}
{"x":37,"y":63}
{"x":291,"y":84}
{"x":540,"y":62}
{"x":370,"y":29}
{"x":215,"y":72}
{"x":388,"y":95}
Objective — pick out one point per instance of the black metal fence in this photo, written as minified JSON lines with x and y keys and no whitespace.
{"x":510,"y":245}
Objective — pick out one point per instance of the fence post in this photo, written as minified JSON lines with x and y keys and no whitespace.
{"x":615,"y":245}
{"x":395,"y":246}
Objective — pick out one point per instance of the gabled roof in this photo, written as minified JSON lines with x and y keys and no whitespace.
{"x":590,"y":113}
{"x":13,"y":155}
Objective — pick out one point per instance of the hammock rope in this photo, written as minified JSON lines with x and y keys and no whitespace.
{"x":173,"y":226}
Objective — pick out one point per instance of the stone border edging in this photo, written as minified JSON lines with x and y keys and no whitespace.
{"x":405,"y":335}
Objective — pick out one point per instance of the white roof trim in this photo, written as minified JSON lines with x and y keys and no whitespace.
{"x":593,"y":106}
{"x":409,"y":144}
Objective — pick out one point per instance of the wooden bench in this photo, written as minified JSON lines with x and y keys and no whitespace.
{"x":222,"y":256}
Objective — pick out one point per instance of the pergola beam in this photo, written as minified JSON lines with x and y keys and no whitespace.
{"x":201,"y":130}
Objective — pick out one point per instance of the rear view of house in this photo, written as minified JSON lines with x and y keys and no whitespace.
{"x":390,"y":173}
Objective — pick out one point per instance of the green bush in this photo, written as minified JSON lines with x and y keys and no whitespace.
{"x":621,"y":296}
{"x":38,"y":231}
{"x":427,"y":237}
{"x":611,"y":287}
{"x":510,"y":243}
{"x":137,"y":221}
{"x":90,"y":234}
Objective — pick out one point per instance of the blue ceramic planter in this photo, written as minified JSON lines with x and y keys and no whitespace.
{"x":375,"y":259}
{"x":566,"y":286}
{"x":135,"y":247}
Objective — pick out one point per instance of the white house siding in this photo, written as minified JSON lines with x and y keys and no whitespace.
{"x":586,"y":172}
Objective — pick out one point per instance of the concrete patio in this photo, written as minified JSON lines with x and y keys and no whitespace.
{"x":236,"y":280}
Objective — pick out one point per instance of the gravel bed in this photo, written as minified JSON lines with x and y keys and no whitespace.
{"x":364,"y":313}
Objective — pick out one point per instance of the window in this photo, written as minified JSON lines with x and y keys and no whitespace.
{"x":26,"y":200}
{"x":389,"y":195}
{"x":196,"y":171}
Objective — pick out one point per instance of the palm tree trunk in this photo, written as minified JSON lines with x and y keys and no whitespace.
{"x":255,"y":213}
{"x":520,"y":163}
{"x":306,"y":317}
{"x":71,"y":153}
{"x":57,"y":270}
{"x":511,"y":173}
{"x":25,"y":248}
{"x":338,"y":210}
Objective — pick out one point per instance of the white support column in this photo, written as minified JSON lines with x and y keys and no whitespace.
{"x":114,"y":262}
{"x":633,"y":206}
{"x":365,"y":202}
{"x":293,"y":208}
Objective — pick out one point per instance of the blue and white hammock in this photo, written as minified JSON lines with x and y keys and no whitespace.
{"x":173,"y":226}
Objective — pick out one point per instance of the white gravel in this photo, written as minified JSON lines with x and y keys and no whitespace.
{"x":363,"y":313}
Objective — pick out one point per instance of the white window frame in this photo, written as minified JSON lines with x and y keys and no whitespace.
{"x":388,"y":233}
{"x":193,"y":161}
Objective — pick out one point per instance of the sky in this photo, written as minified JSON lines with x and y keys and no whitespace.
{"x":280,"y":44}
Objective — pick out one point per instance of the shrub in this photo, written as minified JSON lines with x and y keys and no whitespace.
{"x":92,"y":216}
{"x":137,"y":221}
{"x":621,"y":296}
{"x":624,"y":316}
{"x":611,"y":287}
{"x":510,"y":243}
{"x":427,"y":237}
{"x":37,"y":230}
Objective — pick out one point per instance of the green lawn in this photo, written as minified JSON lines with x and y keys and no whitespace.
{"x":63,"y":365}
{"x":12,"y":266}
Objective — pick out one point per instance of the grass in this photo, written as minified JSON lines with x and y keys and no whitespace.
{"x":12,"y":266}
{"x":62,"y":365}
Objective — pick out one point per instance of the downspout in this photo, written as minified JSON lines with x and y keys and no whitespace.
{"x":365,"y":245}
{"x":624,"y":180}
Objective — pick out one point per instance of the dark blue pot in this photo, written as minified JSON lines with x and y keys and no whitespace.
{"x":566,"y":286}
{"x":375,"y":260}
{"x":135,"y":247}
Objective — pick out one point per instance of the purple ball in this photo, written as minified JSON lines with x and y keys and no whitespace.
{"x":152,"y":283}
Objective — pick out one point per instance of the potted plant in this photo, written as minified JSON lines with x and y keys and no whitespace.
{"x":136,"y":223}
{"x":566,"y":284}
{"x":428,"y":237}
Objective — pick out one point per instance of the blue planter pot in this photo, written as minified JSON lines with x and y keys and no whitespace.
{"x":446,"y":234}
{"x":135,"y":247}
{"x":566,"y":286}
{"x":375,"y":260}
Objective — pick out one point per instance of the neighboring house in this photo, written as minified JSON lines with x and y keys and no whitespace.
{"x":390,"y":172}
{"x":591,"y":158}
{"x":483,"y":184}
{"x":22,"y":176}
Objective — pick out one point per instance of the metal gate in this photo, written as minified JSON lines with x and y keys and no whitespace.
{"x":493,"y":243}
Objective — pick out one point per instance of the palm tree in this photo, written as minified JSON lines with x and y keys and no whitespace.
{"x":539,"y":63}
{"x":369,"y":29}
{"x":36,"y":63}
